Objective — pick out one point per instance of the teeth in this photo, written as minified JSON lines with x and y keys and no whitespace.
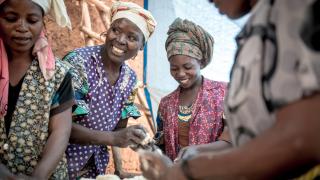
{"x":184,"y":81}
{"x":117,"y":50}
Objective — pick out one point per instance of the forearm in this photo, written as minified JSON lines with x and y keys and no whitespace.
{"x":116,"y":159}
{"x":86,"y":136}
{"x":216,"y":146}
{"x":52,"y":153}
{"x":268,"y":156}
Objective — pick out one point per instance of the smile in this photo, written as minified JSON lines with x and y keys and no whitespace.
{"x":184,"y":81}
{"x":21,"y":40}
{"x":117,"y":51}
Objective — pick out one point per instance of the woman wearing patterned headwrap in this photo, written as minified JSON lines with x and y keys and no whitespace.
{"x":105,"y":86}
{"x":36,"y":92}
{"x":192,"y":114}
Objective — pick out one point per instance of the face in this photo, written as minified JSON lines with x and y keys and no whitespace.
{"x":234,"y":8}
{"x":21,"y":22}
{"x":123,"y":40}
{"x":185,"y":70}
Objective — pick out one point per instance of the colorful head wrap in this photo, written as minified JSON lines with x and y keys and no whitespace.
{"x":188,"y":38}
{"x":41,"y":49}
{"x":136,"y":14}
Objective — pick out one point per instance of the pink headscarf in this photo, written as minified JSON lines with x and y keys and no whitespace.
{"x":46,"y":59}
{"x":4,"y":80}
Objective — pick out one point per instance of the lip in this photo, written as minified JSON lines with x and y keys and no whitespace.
{"x":183,"y":81}
{"x":21,"y":40}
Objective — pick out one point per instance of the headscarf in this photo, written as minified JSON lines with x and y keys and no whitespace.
{"x":190,"y":39}
{"x":136,"y":14}
{"x":41,"y":49}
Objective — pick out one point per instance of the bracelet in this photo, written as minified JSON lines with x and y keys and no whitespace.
{"x":186,"y":170}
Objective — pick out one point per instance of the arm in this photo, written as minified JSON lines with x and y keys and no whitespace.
{"x":287,"y":147}
{"x":59,"y":133}
{"x":120,"y":138}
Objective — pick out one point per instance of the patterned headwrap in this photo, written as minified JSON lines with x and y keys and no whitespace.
{"x":136,"y":14}
{"x":187,"y":38}
{"x":41,"y":49}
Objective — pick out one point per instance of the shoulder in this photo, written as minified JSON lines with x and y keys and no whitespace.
{"x":61,"y":67}
{"x":81,"y":54}
{"x":129,"y":71}
{"x":214,"y":85}
{"x":170,"y":97}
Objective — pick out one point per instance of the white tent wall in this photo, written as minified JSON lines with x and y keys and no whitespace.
{"x":158,"y":79}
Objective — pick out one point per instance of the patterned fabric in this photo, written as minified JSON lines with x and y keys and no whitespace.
{"x":102,"y":105}
{"x":206,"y":124}
{"x":21,"y":150}
{"x":136,"y":14}
{"x":187,"y":38}
{"x":274,"y":67}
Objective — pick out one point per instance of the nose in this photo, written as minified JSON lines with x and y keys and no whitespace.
{"x":180,"y":73}
{"x":122,"y":39}
{"x":22,"y":26}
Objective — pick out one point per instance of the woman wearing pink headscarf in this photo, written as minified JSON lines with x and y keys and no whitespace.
{"x":36,"y":93}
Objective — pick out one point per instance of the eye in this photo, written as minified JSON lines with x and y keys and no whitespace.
{"x":173,"y":69}
{"x":115,"y":30}
{"x":132,"y":38}
{"x":188,"y":67}
{"x":33,"y":20}
{"x":11,"y":18}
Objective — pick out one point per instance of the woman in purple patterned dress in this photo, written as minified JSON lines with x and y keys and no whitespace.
{"x":104,"y":85}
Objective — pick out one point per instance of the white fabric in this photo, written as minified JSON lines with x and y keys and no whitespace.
{"x":136,"y":19}
{"x":57,"y":9}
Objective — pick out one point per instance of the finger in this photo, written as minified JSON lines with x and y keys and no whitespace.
{"x":147,"y":165}
{"x":180,"y":154}
{"x":139,"y":134}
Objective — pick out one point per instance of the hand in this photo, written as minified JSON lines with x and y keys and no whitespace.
{"x":186,"y":153}
{"x":153,"y":164}
{"x":130,"y":135}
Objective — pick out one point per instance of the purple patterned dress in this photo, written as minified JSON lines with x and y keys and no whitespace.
{"x":100,"y":106}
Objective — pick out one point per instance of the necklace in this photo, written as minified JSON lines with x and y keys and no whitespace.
{"x":185,"y":113}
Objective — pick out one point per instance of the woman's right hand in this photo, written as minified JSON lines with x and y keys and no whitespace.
{"x":186,"y":153}
{"x":131,"y":135}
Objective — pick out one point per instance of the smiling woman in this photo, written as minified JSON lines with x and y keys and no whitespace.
{"x":36,"y":93}
{"x":105,"y":88}
{"x":192,"y":114}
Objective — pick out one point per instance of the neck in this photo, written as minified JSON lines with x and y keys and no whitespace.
{"x":194,"y":87}
{"x":14,"y":56}
{"x":108,"y":65}
{"x":189,"y":95}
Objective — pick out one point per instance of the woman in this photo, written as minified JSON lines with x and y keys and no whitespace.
{"x":273,"y":98}
{"x":192,"y":114}
{"x":105,"y":86}
{"x":36,"y":92}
